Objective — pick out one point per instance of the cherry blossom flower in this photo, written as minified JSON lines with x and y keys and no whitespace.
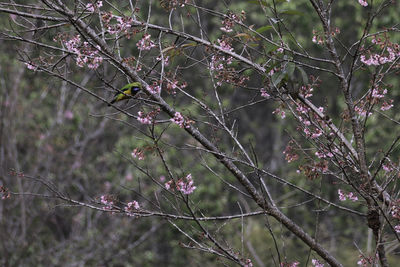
{"x":229,"y":22}
{"x":107,"y":201}
{"x":225,"y":45}
{"x":31,"y":66}
{"x":323,"y":154}
{"x":248,"y":263}
{"x":343,"y":196}
{"x":179,"y":120}
{"x":148,"y":118}
{"x":137,"y":153}
{"x":85,"y":53}
{"x":363,"y":2}
{"x":386,"y":105}
{"x":317,"y":263}
{"x":145,"y":43}
{"x":264,"y":93}
{"x":155,"y":88}
{"x":185,"y":185}
{"x":131,"y":207}
{"x":290,"y":154}
{"x":282,"y":113}
{"x":91,"y":7}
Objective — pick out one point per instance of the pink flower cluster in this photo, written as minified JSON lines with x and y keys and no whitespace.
{"x":219,"y":62}
{"x":395,"y":210}
{"x":317,"y":263}
{"x":147,"y":118}
{"x":107,"y":201}
{"x":248,"y":263}
{"x":155,"y":88}
{"x":85,"y":53}
{"x":91,"y":7}
{"x":376,"y":97}
{"x":145,"y":43}
{"x":281,"y":112}
{"x":137,"y":153}
{"x":131,"y":207}
{"x":165,"y":59}
{"x":229,"y":22}
{"x":388,"y":52}
{"x":290,"y":154}
{"x":377,"y":59}
{"x":31,"y":66}
{"x":179,"y":120}
{"x":124,"y":24}
{"x":264,"y":93}
{"x":343,"y":196}
{"x":363,"y":2}
{"x":367,"y":261}
{"x":323,"y":154}
{"x":225,"y":44}
{"x":317,"y":38}
{"x":185,"y":185}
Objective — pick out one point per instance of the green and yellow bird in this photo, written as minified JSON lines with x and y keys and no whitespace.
{"x":127,"y":92}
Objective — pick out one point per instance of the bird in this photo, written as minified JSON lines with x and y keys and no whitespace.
{"x":126,"y":92}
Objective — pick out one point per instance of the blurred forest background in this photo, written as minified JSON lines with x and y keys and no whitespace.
{"x":54,"y":135}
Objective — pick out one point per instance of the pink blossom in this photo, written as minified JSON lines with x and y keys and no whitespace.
{"x":386,"y":105}
{"x":164,"y":59}
{"x":185,"y":185}
{"x":229,"y":22}
{"x":145,"y":43}
{"x":155,"y":88}
{"x":188,"y":187}
{"x":314,"y":39}
{"x":107,"y":201}
{"x":323,"y":154}
{"x":85,"y":53}
{"x":123,"y":25}
{"x":290,"y":154}
{"x":91,"y":7}
{"x":387,"y":167}
{"x":132,"y":207}
{"x":352,"y":196}
{"x":363,"y":2}
{"x":379,"y":93}
{"x":343,"y":196}
{"x":162,"y":178}
{"x":134,"y":204}
{"x":225,"y":45}
{"x":317,"y":263}
{"x":317,"y":133}
{"x":301,"y":108}
{"x":264,"y":93}
{"x":179,"y":120}
{"x":31,"y":66}
{"x":280,"y":112}
{"x":137,"y":153}
{"x":248,"y":263}
{"x":168,"y":184}
{"x":149,"y":117}
{"x":397,"y":228}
